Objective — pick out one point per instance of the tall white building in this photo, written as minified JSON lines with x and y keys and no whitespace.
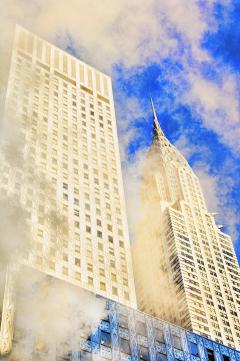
{"x":185,"y":267}
{"x":66,"y":172}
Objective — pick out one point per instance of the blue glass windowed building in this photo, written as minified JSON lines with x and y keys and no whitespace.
{"x":129,"y":335}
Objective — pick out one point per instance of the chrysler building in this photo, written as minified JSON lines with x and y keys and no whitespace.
{"x":185,"y":267}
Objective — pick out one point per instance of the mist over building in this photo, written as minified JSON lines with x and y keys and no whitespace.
{"x":67,"y":288}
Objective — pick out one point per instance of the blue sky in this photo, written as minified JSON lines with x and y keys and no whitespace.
{"x":215,"y":158}
{"x":185,"y":53}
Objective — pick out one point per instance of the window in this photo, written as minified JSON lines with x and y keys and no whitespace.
{"x":112,"y":264}
{"x":194,"y":349}
{"x":159,"y":335}
{"x":124,"y":346}
{"x":90,"y":281}
{"x":105,"y":339}
{"x":88,"y":229}
{"x":143,"y":353}
{"x":120,"y":232}
{"x":101,"y":272}
{"x":161,"y":357}
{"x":90,"y":267}
{"x":100,"y":246}
{"x":76,"y":224}
{"x":102,"y":286}
{"x":76,"y":201}
{"x":123,"y":321}
{"x":77,"y":249}
{"x":78,"y":276}
{"x":226,"y":358}
{"x":113,"y":277}
{"x":176,"y":342}
{"x":77,"y":262}
{"x":210,"y":355}
{"x":86,"y":356}
{"x":76,"y":212}
{"x":121,"y":244}
{"x":115,"y":291}
{"x":140,"y":328}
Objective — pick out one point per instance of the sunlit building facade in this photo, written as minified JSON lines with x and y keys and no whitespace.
{"x":185,"y":267}
{"x":65,"y":172}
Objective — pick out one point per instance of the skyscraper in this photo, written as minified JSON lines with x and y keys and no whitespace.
{"x":185,"y":267}
{"x":62,"y":172}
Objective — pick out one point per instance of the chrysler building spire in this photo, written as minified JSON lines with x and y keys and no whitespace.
{"x":157,"y":131}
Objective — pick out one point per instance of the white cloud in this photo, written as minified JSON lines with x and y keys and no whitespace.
{"x":185,"y":147}
{"x":209,"y":185}
{"x":110,"y":31}
{"x":218,"y":105}
{"x":217,"y":190}
{"x":129,"y":110}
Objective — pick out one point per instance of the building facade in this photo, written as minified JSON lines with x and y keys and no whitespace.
{"x":126,"y":334}
{"x":63,"y":172}
{"x":129,"y":335}
{"x":185,"y":267}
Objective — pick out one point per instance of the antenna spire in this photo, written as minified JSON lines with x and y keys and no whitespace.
{"x":157,"y":131}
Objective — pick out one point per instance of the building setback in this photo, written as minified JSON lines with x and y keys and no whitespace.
{"x":185,"y":267}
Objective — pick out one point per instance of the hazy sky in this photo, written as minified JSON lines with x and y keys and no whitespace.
{"x":185,"y":53}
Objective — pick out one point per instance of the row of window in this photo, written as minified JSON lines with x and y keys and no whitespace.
{"x":61,"y":61}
